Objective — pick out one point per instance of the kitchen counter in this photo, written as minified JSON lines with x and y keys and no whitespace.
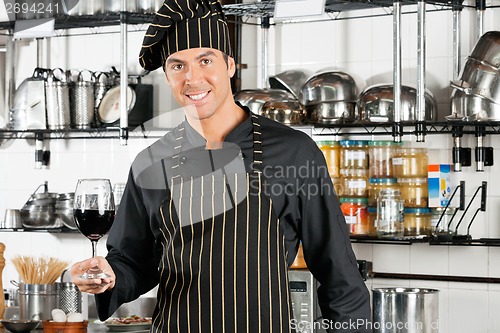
{"x":92,"y":328}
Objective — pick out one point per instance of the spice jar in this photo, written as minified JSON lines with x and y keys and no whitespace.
{"x":331,"y":150}
{"x":410,"y":162}
{"x":414,"y":192}
{"x":375,"y":185}
{"x":390,"y":214}
{"x":356,"y":215}
{"x":380,"y":155}
{"x":353,"y":154}
{"x":417,"y":222}
{"x":354,"y":182}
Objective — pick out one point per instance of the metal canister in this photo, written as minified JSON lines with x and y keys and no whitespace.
{"x":83,"y":101}
{"x":57,"y":100}
{"x":70,"y":298}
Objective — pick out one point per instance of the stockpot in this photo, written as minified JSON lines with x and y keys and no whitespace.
{"x":376,"y":104}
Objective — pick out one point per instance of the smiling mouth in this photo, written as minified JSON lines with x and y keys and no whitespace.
{"x":197,"y":97}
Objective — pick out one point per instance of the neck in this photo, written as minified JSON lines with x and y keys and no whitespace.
{"x":215,"y":128}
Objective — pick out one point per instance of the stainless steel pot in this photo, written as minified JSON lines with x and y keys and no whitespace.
{"x":254,"y":99}
{"x":36,"y":301}
{"x":331,"y":112}
{"x":84,"y":7}
{"x":376,"y":104}
{"x":487,"y":48}
{"x":289,"y":113}
{"x":329,"y":87}
{"x":405,"y":310}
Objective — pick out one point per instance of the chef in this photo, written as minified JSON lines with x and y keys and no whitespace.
{"x":213,"y":212}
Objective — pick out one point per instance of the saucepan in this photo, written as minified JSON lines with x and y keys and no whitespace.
{"x":376,"y":104}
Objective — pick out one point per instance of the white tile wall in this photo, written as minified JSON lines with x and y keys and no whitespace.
{"x":362,"y":47}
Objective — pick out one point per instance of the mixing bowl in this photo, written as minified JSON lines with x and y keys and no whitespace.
{"x":329,"y":87}
{"x":291,"y":80}
{"x":21,"y":325}
{"x":254,"y":99}
{"x":376,"y":104}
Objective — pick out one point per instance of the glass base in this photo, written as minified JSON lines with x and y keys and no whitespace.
{"x":94,"y":273}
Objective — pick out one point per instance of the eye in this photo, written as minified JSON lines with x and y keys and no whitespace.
{"x":206,"y":61}
{"x":176,"y":67}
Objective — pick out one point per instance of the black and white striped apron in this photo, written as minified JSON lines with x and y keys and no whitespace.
{"x":223,"y":268}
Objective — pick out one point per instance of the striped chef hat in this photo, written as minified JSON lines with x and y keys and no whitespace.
{"x":184,"y":24}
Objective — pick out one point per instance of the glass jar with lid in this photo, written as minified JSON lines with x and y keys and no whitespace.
{"x":372,"y":221}
{"x":390,"y":214}
{"x":353,"y":154}
{"x":414,"y":192}
{"x":375,"y":185}
{"x":331,"y":150}
{"x":356,"y":215}
{"x":354,"y":182}
{"x":417,"y":221}
{"x":410,"y":162}
{"x":381,"y":153}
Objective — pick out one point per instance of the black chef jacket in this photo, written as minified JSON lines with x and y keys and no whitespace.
{"x":298,"y":182}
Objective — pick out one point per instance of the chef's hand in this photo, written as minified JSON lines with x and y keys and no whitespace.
{"x":93,"y":286}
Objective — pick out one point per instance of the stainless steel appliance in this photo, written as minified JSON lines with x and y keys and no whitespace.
{"x":306,"y":313}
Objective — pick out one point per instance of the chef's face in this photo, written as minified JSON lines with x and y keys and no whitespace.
{"x":201,"y":77}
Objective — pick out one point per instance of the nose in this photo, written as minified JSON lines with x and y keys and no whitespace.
{"x":193,"y":76}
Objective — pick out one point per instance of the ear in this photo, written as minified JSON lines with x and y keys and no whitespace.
{"x":231,"y":66}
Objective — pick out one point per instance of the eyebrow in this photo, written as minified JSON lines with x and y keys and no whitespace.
{"x":200,"y":56}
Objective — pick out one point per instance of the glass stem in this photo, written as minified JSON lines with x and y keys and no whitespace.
{"x":94,"y":248}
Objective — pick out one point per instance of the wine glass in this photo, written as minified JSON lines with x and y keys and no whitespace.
{"x":94,"y":212}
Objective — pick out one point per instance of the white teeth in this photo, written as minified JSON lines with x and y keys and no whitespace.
{"x":198,"y":97}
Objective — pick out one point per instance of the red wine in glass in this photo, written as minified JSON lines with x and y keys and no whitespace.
{"x":93,"y":223}
{"x":94,"y":213}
